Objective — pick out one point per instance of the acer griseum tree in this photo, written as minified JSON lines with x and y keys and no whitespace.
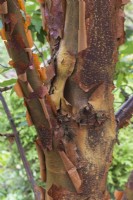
{"x":70,"y":101}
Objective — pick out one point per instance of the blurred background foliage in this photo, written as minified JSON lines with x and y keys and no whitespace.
{"x":13,"y":179}
{"x":122,"y":156}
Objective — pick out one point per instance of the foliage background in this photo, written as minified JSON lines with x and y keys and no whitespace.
{"x":13,"y":180}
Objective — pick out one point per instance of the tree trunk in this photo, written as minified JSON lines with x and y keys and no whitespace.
{"x":71,"y":108}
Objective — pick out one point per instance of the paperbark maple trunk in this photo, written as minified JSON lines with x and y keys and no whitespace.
{"x":71,"y":108}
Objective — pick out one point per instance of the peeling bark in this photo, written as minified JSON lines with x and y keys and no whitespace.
{"x":88,"y":118}
{"x":74,"y":116}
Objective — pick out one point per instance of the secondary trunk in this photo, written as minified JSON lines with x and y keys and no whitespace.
{"x":71,"y":105}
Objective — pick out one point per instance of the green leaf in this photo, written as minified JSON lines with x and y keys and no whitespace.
{"x":4,"y":69}
{"x":120,"y":79}
{"x":31,"y":6}
{"x":36,"y":22}
{"x":8,"y":82}
{"x":40,"y":37}
{"x":12,"y":91}
{"x":22,"y":124}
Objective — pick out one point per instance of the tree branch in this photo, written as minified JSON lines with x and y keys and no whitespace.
{"x":3,"y":89}
{"x":19,"y":145}
{"x":7,"y":135}
{"x":124,"y":114}
{"x":3,"y":65}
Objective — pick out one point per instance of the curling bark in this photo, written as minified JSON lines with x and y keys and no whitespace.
{"x":70,"y":102}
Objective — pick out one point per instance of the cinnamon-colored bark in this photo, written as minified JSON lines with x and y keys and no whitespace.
{"x":72,"y":110}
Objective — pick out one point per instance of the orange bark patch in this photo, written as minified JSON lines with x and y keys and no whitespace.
{"x":18,"y":90}
{"x":42,"y":73}
{"x":118,"y":195}
{"x":28,"y":118}
{"x":21,"y":5}
{"x":2,"y":34}
{"x":36,"y":61}
{"x":27,"y":22}
{"x":11,"y":63}
{"x":29,"y":38}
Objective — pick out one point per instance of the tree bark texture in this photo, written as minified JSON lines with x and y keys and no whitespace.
{"x":70,"y":102}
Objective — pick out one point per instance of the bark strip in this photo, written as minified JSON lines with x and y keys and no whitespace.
{"x":41,"y":157}
{"x":27,"y":67}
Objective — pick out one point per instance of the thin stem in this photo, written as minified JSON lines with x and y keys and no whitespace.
{"x":124,"y":114}
{"x":18,"y":142}
{"x":3,"y":89}
{"x":40,"y":53}
{"x":3,"y":65}
{"x":7,"y":135}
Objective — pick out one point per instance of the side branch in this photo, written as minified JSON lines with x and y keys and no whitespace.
{"x":8,"y":135}
{"x":3,"y":89}
{"x":125,"y":113}
{"x":20,"y":148}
